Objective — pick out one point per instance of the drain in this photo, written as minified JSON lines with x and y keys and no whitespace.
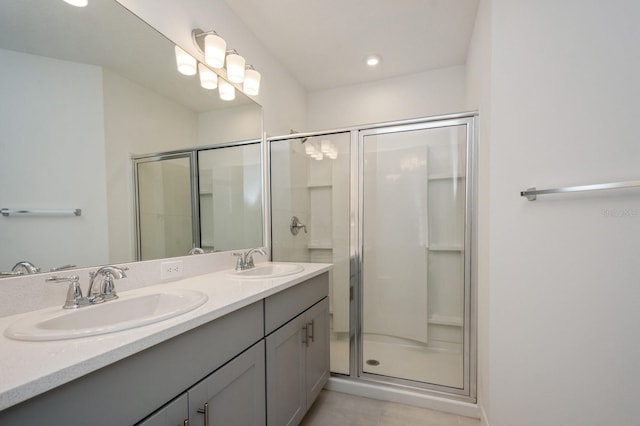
{"x":373,"y":362}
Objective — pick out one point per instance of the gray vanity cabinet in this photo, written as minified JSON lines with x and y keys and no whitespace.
{"x":233,"y":395}
{"x":286,"y":397}
{"x":298,"y":351}
{"x":317,"y":350}
{"x":175,"y":413}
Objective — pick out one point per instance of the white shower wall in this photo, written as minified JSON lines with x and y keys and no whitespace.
{"x":414,"y":222}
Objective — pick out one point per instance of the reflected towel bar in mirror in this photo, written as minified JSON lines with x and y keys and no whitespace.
{"x":40,"y":212}
{"x":532,"y":193}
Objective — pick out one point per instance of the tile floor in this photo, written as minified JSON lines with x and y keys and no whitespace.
{"x":340,"y":409}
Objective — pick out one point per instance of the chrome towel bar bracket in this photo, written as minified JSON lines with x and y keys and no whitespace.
{"x":532,"y":193}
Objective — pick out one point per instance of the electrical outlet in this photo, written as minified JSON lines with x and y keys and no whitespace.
{"x":171,"y":270}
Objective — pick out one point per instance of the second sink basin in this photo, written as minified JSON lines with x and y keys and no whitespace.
{"x":129,"y":311}
{"x":267,"y":270}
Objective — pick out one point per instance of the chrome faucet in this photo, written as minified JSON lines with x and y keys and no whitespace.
{"x":107,"y":291}
{"x":25,"y":267}
{"x":245,"y":260}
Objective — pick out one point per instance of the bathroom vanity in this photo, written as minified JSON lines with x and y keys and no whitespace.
{"x":257,"y":352}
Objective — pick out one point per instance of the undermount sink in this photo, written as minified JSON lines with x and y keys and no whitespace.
{"x":267,"y":270}
{"x":129,"y":311}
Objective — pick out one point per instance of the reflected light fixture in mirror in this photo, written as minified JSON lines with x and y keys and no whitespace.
{"x":226,"y":90}
{"x":208,"y":78}
{"x":77,"y":3}
{"x":251,"y":85}
{"x":185,"y":62}
{"x":235,"y":67}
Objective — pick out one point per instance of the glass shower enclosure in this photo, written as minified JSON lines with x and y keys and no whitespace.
{"x":391,"y":208}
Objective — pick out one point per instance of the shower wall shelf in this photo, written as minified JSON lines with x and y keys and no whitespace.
{"x":40,"y":212}
{"x":445,"y":248}
{"x":532,"y":193}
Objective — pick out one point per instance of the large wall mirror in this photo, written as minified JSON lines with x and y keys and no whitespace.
{"x":85,"y":90}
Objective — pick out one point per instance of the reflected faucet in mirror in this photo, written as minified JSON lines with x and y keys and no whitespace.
{"x":25,"y":267}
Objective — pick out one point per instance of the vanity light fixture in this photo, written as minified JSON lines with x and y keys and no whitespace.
{"x":226,"y":90}
{"x":77,"y":3}
{"x":251,"y":85}
{"x":211,"y":45}
{"x":217,"y":56}
{"x":208,"y":78}
{"x":235,"y":67}
{"x":325,"y":149}
{"x":185,"y":62}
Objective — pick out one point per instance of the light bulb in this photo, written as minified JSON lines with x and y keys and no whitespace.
{"x":215,"y":49}
{"x":235,"y":67}
{"x":226,"y":90}
{"x":325,"y":146}
{"x":186,"y":63}
{"x":251,"y":85}
{"x":208,"y":79}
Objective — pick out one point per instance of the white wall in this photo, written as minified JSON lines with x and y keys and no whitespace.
{"x":479,"y":98}
{"x":51,"y":157}
{"x":564,"y":344}
{"x":424,"y":94}
{"x":137,"y":121}
{"x":281,"y":95}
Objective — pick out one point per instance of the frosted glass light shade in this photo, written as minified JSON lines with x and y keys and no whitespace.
{"x":215,"y":49}
{"x":235,"y":68}
{"x":309,"y":149}
{"x":77,"y":3}
{"x":226,"y":90}
{"x":251,"y":85}
{"x":325,"y":146}
{"x":208,"y":79}
{"x":186,"y":63}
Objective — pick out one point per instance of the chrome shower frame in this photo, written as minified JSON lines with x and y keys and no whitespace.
{"x":356,"y":377}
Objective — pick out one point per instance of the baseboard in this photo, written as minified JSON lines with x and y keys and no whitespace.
{"x":483,"y":417}
{"x":401,"y":396}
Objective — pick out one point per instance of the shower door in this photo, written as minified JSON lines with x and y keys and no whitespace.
{"x":413,"y":217}
{"x":391,"y":212}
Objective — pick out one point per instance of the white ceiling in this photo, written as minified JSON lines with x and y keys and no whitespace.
{"x":323,"y":43}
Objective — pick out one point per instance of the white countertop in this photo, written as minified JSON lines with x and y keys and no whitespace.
{"x":28,"y":369}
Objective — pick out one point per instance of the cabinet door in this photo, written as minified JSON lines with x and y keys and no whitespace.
{"x":174,"y":413}
{"x":317,"y":371}
{"x":286,"y":397}
{"x":234,"y":394}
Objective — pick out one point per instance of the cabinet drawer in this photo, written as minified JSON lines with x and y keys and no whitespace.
{"x":282,"y":307}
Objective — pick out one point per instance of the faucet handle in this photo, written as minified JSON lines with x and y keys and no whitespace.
{"x":240,"y":261}
{"x":108,"y":290}
{"x":74,"y":292}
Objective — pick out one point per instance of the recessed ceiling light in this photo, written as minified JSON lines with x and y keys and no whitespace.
{"x":373,"y":60}
{"x":77,"y":3}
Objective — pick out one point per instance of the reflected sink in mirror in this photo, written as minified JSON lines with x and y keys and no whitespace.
{"x":129,"y":311}
{"x":267,"y":270}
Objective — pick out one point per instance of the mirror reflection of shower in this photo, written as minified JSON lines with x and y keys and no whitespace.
{"x":199,"y":201}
